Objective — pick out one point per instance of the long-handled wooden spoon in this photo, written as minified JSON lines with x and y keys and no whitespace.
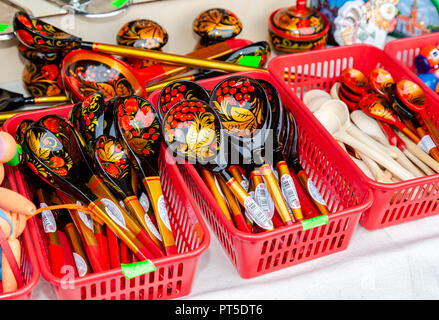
{"x":56,"y":156}
{"x":39,"y":35}
{"x":138,"y":129}
{"x":244,"y":111}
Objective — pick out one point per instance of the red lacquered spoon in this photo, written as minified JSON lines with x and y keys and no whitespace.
{"x":355,"y":80}
{"x":380,"y":81}
{"x":378,"y":108}
{"x":414,"y":97}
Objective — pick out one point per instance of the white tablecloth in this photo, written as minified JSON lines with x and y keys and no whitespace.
{"x":399,"y":262}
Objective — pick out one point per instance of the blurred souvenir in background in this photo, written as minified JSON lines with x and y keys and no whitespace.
{"x":216,"y":25}
{"x":142,"y":33}
{"x":416,"y":17}
{"x":297,"y":28}
{"x":330,"y":9}
{"x":365,"y":22}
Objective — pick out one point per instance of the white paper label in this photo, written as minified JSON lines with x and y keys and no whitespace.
{"x":48,"y":220}
{"x":114,"y":212}
{"x":315,"y":194}
{"x":81,"y":266}
{"x":144,"y":201}
{"x":152,"y":227}
{"x":426,"y":144}
{"x":163,"y":212}
{"x":245,"y":184}
{"x":247,"y":214}
{"x":85,"y":218}
{"x":289,"y":191}
{"x":257,"y":214}
{"x":264,"y":200}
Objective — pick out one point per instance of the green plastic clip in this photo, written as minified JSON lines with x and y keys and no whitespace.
{"x":136,"y":269}
{"x":315,"y":222}
{"x":118,"y":3}
{"x":3,"y":27}
{"x":250,"y":61}
{"x":16,"y":159}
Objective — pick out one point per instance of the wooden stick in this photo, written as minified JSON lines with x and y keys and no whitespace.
{"x":419,"y":153}
{"x":376,"y":170}
{"x":406,"y":163}
{"x":421,"y":165}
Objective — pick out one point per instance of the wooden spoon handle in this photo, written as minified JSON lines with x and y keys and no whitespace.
{"x":421,"y":165}
{"x":100,"y":189}
{"x":433,"y":150}
{"x":363,"y":167}
{"x":409,"y":133}
{"x":386,"y":162}
{"x":419,"y":153}
{"x":135,"y":207}
{"x":155,"y":193}
{"x":432,"y":129}
{"x":276,"y":195}
{"x":256,"y":213}
{"x":209,"y":178}
{"x":238,"y":217}
{"x":171,"y":58}
{"x":125,"y":235}
{"x":372,"y":143}
{"x":388,"y":131}
{"x":403,"y":160}
{"x":310,"y":188}
{"x":375,"y":169}
{"x":77,"y":248}
{"x":97,"y":255}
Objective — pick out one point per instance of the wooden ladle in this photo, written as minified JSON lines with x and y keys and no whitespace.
{"x":37,"y":34}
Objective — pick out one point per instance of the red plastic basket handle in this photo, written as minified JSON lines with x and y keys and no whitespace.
{"x":6,"y":250}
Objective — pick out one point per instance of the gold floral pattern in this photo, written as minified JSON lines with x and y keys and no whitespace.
{"x":48,"y":149}
{"x":195,"y":136}
{"x":142,"y":33}
{"x":89,"y":77}
{"x":42,"y":79}
{"x":238,"y":102}
{"x":218,"y":24}
{"x":112,"y":157}
{"x":42,"y":36}
{"x":140,"y":125}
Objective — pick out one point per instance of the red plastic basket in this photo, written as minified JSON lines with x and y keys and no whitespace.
{"x":260,"y":253}
{"x":30,"y":270}
{"x":173,"y":276}
{"x":406,"y":49}
{"x":393,"y":203}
